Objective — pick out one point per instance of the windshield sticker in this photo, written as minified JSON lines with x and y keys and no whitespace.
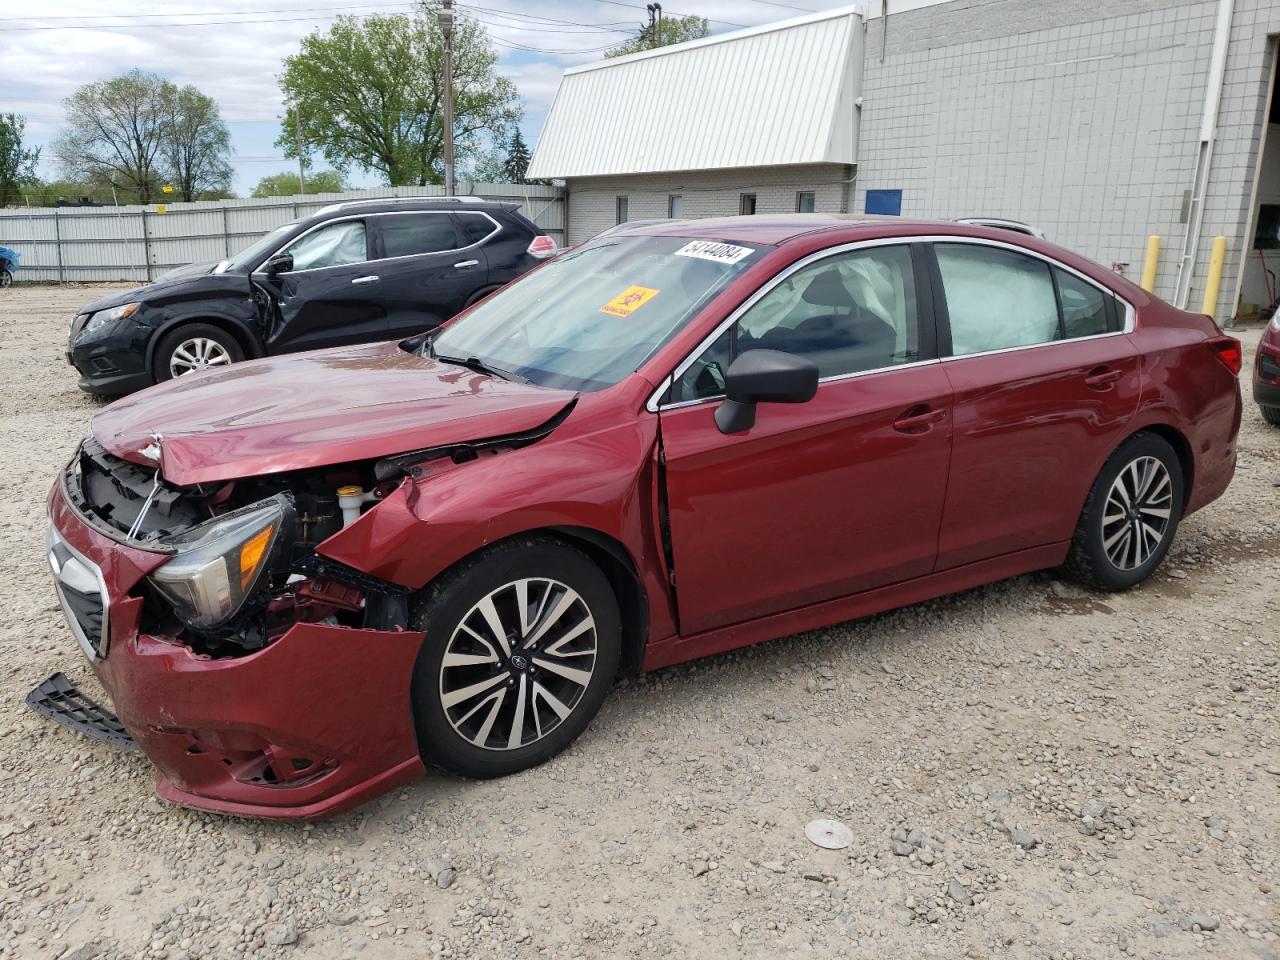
{"x":710,"y":250}
{"x":629,"y":301}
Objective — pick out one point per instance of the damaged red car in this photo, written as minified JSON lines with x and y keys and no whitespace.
{"x":300,"y":579}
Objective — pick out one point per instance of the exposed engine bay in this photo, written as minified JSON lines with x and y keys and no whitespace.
{"x":244,"y":566}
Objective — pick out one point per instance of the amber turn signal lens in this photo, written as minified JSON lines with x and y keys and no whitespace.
{"x":251,"y":555}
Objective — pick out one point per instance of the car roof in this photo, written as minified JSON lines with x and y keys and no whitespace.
{"x":777,"y":229}
{"x":348,"y":208}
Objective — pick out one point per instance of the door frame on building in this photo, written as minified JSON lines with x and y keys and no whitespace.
{"x":1251,"y":221}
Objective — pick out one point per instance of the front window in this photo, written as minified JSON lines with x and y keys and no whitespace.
{"x":333,"y":246}
{"x":595,"y":314}
{"x":848,"y":313}
{"x":250,"y":255}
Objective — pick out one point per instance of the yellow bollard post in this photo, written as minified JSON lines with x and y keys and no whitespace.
{"x":1150,"y":263}
{"x":1214,"y":280}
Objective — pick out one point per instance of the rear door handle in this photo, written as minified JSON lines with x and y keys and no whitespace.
{"x":919,"y":419}
{"x":373,"y":279}
{"x":1101,"y":378}
{"x":462,"y":264}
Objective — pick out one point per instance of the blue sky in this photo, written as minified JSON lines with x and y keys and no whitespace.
{"x":232,"y":51}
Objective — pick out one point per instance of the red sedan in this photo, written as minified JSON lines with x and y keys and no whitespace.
{"x":303,"y":578}
{"x":1266,"y":372}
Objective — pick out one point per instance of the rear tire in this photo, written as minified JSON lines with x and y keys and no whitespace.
{"x":1130,"y":516}
{"x":193,"y":347}
{"x":1271,"y":415}
{"x":6,"y":278}
{"x":533,"y":637}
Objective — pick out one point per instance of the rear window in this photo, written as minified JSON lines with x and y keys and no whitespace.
{"x":411,"y":234}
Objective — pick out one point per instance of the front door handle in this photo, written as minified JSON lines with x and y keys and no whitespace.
{"x":372,"y":279}
{"x":1102,"y":378}
{"x":463,"y":264}
{"x":919,"y":419}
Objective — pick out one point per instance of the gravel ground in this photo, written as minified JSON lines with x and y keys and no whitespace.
{"x":1028,"y":770}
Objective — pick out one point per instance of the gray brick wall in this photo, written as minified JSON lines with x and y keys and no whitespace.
{"x":1079,"y":118}
{"x":706,"y":193}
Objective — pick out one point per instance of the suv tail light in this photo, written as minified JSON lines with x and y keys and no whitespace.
{"x":542,"y":247}
{"x":1228,"y":351}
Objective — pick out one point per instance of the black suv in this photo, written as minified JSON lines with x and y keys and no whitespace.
{"x":353,"y":272}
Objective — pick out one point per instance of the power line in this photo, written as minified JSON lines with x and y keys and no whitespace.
{"x":636,"y":6}
{"x":202,"y":13}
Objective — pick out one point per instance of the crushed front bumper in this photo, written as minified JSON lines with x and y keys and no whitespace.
{"x":313,"y":724}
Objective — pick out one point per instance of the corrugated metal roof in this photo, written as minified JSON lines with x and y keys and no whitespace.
{"x":778,"y":94}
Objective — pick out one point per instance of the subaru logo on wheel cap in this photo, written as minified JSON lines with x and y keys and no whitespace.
{"x":519,"y":662}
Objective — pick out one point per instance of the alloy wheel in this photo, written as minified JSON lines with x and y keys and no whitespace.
{"x":1135,"y":520}
{"x":518,"y":664}
{"x":6,"y":278}
{"x":197,"y":353}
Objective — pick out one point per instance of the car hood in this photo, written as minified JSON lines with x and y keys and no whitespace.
{"x":314,"y":409}
{"x":166,"y":279}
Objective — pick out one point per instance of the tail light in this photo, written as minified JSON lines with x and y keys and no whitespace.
{"x":1228,"y":351}
{"x":542,"y":247}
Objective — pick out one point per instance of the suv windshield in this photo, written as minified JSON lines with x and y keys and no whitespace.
{"x":593,"y":315}
{"x":256,"y":250}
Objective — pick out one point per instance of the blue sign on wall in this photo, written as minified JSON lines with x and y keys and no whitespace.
{"x":888,"y":202}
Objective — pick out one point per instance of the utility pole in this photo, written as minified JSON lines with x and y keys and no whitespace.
{"x":655,"y":24}
{"x":297,"y":129}
{"x":446,"y":29}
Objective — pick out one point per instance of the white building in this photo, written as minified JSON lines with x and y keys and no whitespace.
{"x":1098,"y":123}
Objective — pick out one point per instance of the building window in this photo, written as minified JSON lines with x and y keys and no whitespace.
{"x":621,"y":208}
{"x":675,"y":206}
{"x":804,"y":201}
{"x":747,"y":204}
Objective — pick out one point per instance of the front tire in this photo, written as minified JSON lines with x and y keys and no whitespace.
{"x":523,"y":643}
{"x":193,"y":347}
{"x":1130,"y":516}
{"x":6,"y":278}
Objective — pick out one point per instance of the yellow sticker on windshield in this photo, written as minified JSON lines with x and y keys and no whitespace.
{"x":629,"y":301}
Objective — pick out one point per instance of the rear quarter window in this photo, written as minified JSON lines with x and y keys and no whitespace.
{"x":473,"y":227}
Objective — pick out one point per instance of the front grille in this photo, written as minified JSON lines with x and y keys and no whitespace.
{"x":110,"y":493}
{"x":82,"y":593}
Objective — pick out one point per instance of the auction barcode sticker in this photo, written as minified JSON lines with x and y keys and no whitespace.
{"x":711,"y":250}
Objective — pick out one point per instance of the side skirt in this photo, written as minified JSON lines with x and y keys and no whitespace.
{"x":664,"y":653}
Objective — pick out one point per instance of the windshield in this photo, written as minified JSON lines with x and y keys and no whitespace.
{"x":251,"y":254}
{"x":593,"y":315}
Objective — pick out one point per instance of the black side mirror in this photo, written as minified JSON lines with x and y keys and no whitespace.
{"x":280,"y":263}
{"x":763,"y":376}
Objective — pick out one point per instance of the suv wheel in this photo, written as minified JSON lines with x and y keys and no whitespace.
{"x":193,"y":347}
{"x":523,"y":643}
{"x":1130,"y":516}
{"x":1270,"y":414}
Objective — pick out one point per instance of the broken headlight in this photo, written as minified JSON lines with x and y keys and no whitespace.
{"x":220,"y":562}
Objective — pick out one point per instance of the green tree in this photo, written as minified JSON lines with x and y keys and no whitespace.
{"x":286,"y":184}
{"x":517,"y":163}
{"x":674,"y":30}
{"x":115,"y":133}
{"x":17,"y":162}
{"x":195,"y":145}
{"x":368,"y":94}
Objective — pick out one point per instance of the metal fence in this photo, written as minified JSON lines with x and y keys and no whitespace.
{"x":65,"y":244}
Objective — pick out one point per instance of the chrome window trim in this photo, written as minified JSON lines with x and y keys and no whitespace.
{"x":56,"y":568}
{"x":654,"y":405}
{"x":497,"y":227}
